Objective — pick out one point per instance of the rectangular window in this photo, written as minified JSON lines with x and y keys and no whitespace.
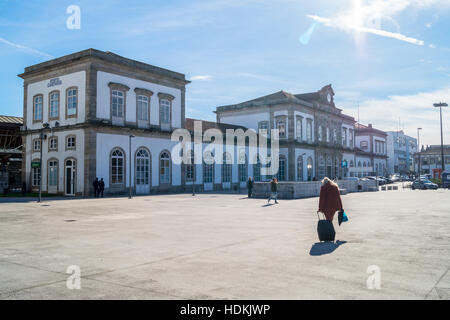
{"x":208,"y":173}
{"x":364,"y":145}
{"x":72,"y":101}
{"x":309,"y":130}
{"x":71,"y":142}
{"x":299,"y":128}
{"x":190,"y":169}
{"x":53,"y":144}
{"x":165,"y":111}
{"x":36,"y":177}
{"x":328,"y":134}
{"x":37,"y":145}
{"x":37,"y":108}
{"x":54,"y":105}
{"x":344,"y":136}
{"x":142,"y":108}
{"x":263,"y":125}
{"x":117,"y":104}
{"x":281,"y":126}
{"x":52,"y":173}
{"x":350,"y":138}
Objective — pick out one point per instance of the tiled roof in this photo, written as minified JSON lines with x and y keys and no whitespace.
{"x":10,"y":119}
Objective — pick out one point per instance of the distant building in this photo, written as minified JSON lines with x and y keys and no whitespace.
{"x":370,"y":149}
{"x":430,"y":158}
{"x":10,"y":152}
{"x":401,"y":149}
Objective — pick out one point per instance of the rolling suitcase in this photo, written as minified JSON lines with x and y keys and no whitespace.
{"x":325,"y":229}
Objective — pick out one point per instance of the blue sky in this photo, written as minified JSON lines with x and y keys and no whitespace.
{"x":391,"y":57}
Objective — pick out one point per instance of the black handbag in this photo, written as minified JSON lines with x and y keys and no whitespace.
{"x":325,"y":229}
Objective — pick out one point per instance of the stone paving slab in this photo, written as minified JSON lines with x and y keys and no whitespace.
{"x":225,"y":246}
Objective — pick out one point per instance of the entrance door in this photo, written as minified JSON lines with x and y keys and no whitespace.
{"x":142,"y":172}
{"x":70,"y":177}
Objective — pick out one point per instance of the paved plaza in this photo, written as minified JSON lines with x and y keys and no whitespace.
{"x":225,"y":246}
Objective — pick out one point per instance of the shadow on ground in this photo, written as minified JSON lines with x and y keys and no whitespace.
{"x":321,"y":248}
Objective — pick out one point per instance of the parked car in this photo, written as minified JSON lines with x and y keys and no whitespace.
{"x":351,"y":178}
{"x":388,"y":180}
{"x":423,"y":185}
{"x":395,"y":178}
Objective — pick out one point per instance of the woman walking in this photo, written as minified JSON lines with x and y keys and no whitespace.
{"x":330,"y":199}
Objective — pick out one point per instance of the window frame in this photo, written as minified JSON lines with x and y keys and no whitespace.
{"x":165,"y":96}
{"x":75,"y":115}
{"x":40,"y":95}
{"x":140,"y":92}
{"x":169,"y":167}
{"x":49,"y":171}
{"x":281,"y":120}
{"x":111,"y":166}
{"x":67,"y":142}
{"x":51,"y":93}
{"x":34,"y":141}
{"x":50,"y":139}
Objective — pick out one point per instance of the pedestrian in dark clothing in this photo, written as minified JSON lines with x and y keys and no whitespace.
{"x":101,"y":186}
{"x":273,"y":190}
{"x":330,"y":199}
{"x":95,"y":184}
{"x":24,"y":189}
{"x":250,"y":186}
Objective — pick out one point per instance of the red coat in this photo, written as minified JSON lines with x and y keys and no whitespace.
{"x":330,"y":198}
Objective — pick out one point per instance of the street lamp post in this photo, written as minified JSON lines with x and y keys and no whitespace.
{"x":129,"y":195}
{"x":440,"y":105}
{"x":193,"y":167}
{"x":41,"y":138}
{"x":418,"y":149}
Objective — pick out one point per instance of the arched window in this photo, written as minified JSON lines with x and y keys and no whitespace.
{"x":142,"y":167}
{"x":281,"y":176}
{"x":300,"y":168}
{"x":309,"y":167}
{"x":351,"y":163}
{"x":226,"y":167}
{"x":164,"y":167}
{"x":257,"y":170}
{"x":117,"y":167}
{"x":242,"y":169}
{"x":364,"y":164}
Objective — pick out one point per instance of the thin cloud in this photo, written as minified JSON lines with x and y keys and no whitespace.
{"x":26,"y":49}
{"x":394,"y":35}
{"x":414,"y":111}
{"x":201,"y":78}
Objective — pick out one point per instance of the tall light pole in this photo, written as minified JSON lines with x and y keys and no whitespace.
{"x":129,"y":195}
{"x":418,"y":149}
{"x":192,"y":159}
{"x":440,"y":105}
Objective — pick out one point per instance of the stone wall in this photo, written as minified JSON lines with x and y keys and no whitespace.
{"x":297,"y":190}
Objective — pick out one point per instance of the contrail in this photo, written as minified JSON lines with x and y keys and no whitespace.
{"x":333,"y":23}
{"x":26,"y":49}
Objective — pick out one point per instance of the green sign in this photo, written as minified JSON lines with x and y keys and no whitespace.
{"x":35,"y":164}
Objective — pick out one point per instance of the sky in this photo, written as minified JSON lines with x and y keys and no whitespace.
{"x":389,"y":57}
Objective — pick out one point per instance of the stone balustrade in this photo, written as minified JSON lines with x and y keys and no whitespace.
{"x":297,"y":190}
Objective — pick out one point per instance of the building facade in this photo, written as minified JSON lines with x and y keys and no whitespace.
{"x":401,"y":149}
{"x":87,"y":105}
{"x":371,"y":151}
{"x":316,"y":138}
{"x":10,"y":153}
{"x":430,"y":160}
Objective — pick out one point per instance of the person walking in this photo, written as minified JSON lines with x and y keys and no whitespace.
{"x":95,"y":184}
{"x":101,"y":187}
{"x":273,"y":190}
{"x":330,"y":199}
{"x":250,"y":186}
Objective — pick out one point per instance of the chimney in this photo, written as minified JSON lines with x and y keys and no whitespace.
{"x":370,"y":125}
